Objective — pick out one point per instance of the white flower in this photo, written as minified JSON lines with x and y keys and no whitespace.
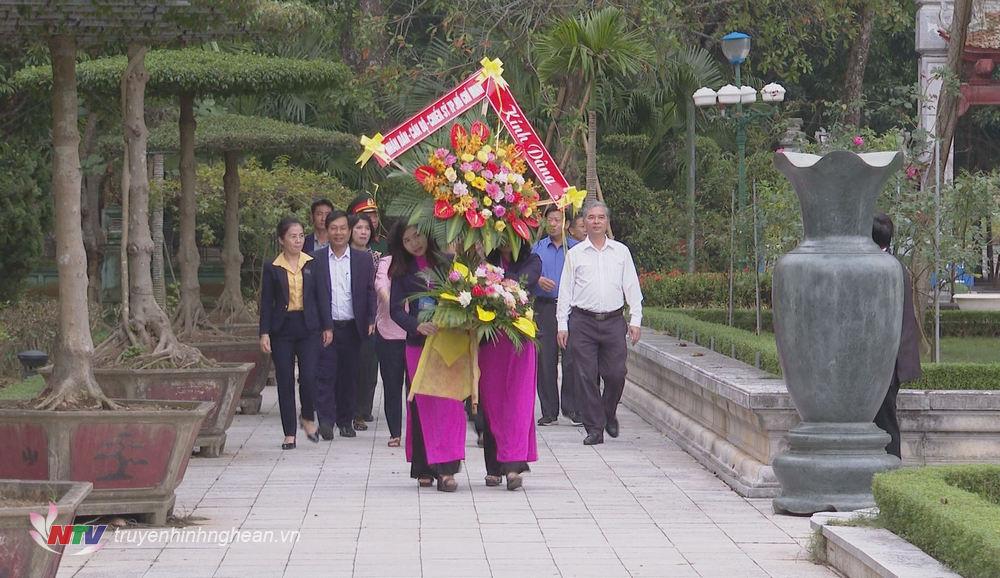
{"x":464,"y":298}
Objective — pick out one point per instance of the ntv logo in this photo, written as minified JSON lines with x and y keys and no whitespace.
{"x":47,"y":533}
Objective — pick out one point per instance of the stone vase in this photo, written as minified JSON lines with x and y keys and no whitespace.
{"x":838,"y":303}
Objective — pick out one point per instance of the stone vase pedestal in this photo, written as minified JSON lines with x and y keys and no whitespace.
{"x":838,"y":303}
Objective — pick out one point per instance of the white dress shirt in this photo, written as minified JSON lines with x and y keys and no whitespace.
{"x":599,"y":280}
{"x":340,"y":285}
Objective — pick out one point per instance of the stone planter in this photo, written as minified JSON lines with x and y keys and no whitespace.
{"x":978,"y":301}
{"x":20,"y":556}
{"x":242,"y":351}
{"x":838,"y":303}
{"x":220,"y":385}
{"x":135,"y":457}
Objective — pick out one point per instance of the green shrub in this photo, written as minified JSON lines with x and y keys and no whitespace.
{"x":949,"y":512}
{"x":31,"y":323}
{"x":25,"y":209}
{"x":702,"y":290}
{"x":954,"y":323}
{"x":957,"y":323}
{"x":742,"y":345}
{"x":698,"y":326}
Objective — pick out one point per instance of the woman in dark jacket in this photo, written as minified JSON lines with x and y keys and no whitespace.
{"x":435,"y":426}
{"x":290,"y":328}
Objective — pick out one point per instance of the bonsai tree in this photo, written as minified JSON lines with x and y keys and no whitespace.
{"x":231,"y":135}
{"x":188,"y":74}
{"x":64,"y":26}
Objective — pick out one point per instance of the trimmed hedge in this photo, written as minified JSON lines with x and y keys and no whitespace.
{"x":239,"y":133}
{"x":748,"y":347}
{"x":200,"y":72}
{"x":954,"y":323}
{"x":740,"y":344}
{"x":704,"y":290}
{"x":950,"y":512}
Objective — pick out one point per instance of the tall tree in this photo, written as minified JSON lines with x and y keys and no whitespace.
{"x":948,"y":100}
{"x":583,"y":54}
{"x":857,"y":61}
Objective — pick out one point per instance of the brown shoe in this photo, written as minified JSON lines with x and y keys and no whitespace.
{"x":447,"y":484}
{"x":360,"y":425}
{"x":514,"y":481}
{"x":492,"y":481}
{"x":425,"y":481}
{"x":393,"y":443}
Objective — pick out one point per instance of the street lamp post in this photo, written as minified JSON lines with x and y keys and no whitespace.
{"x":736,"y":48}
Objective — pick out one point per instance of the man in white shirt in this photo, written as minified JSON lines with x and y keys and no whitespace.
{"x":346,"y":285}
{"x":598,"y":279}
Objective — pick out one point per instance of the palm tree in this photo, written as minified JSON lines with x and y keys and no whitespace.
{"x":584,"y":53}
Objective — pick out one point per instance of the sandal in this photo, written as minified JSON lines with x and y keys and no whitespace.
{"x":425,"y":481}
{"x":492,"y":481}
{"x":447,"y":484}
{"x":313,"y":436}
{"x":514,"y":481}
{"x":393,"y":443}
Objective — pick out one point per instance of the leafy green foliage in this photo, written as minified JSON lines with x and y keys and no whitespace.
{"x":25,"y":214}
{"x":747,"y":347}
{"x":950,"y":512}
{"x":702,"y":290}
{"x":32,"y":323}
{"x":198,"y":71}
{"x":645,"y":220}
{"x":233,"y":132}
{"x":266,"y":196}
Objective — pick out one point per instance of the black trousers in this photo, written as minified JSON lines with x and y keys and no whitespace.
{"x":887,"y":419}
{"x":494,"y":467}
{"x":599,"y":354}
{"x":367,"y":377}
{"x":419,"y":468}
{"x":295,"y":343}
{"x":337,"y":375}
{"x":392,"y":365}
{"x":548,"y":362}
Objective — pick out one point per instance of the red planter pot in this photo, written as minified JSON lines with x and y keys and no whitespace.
{"x":135,"y":457}
{"x":245,"y":350}
{"x":20,"y":556}
{"x":220,"y":385}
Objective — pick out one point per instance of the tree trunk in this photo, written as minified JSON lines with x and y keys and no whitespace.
{"x":591,"y":154}
{"x":147,"y":327}
{"x":856,"y":64}
{"x":190,"y":312}
{"x":949,"y":99}
{"x":231,"y":307}
{"x":93,"y":236}
{"x":692,"y":169}
{"x":72,"y":380}
{"x":156,"y":223}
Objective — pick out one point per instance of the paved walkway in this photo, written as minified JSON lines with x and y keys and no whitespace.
{"x":635,"y":506}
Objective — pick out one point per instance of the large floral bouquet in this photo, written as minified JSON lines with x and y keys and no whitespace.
{"x":478,"y":190}
{"x":481,"y":300}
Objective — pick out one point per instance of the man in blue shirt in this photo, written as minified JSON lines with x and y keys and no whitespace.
{"x":552,"y":251}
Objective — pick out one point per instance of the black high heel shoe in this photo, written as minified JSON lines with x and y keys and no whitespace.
{"x":288,"y":446}
{"x":314,"y":436}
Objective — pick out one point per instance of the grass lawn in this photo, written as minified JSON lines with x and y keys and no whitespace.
{"x":970,"y":350}
{"x":26,"y":389}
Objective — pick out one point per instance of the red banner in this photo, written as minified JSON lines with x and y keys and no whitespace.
{"x":443,"y":111}
{"x":537,"y":156}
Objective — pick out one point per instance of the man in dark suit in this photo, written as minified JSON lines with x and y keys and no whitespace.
{"x":908,"y":357}
{"x":345,"y":280}
{"x":317,"y":240}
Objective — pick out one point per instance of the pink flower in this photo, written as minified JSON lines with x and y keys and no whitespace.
{"x":450,"y":159}
{"x":912,"y":172}
{"x":466,"y":167}
{"x":476,"y":165}
{"x":493,"y":190}
{"x":499,"y":211}
{"x":487,"y":174}
{"x":441,"y":153}
{"x":858,"y":141}
{"x":454,"y":276}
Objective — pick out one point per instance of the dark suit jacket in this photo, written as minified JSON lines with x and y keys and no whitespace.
{"x":908,"y":357}
{"x":527,"y":271}
{"x":274,"y":298}
{"x":362,"y":288}
{"x":401,"y":289}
